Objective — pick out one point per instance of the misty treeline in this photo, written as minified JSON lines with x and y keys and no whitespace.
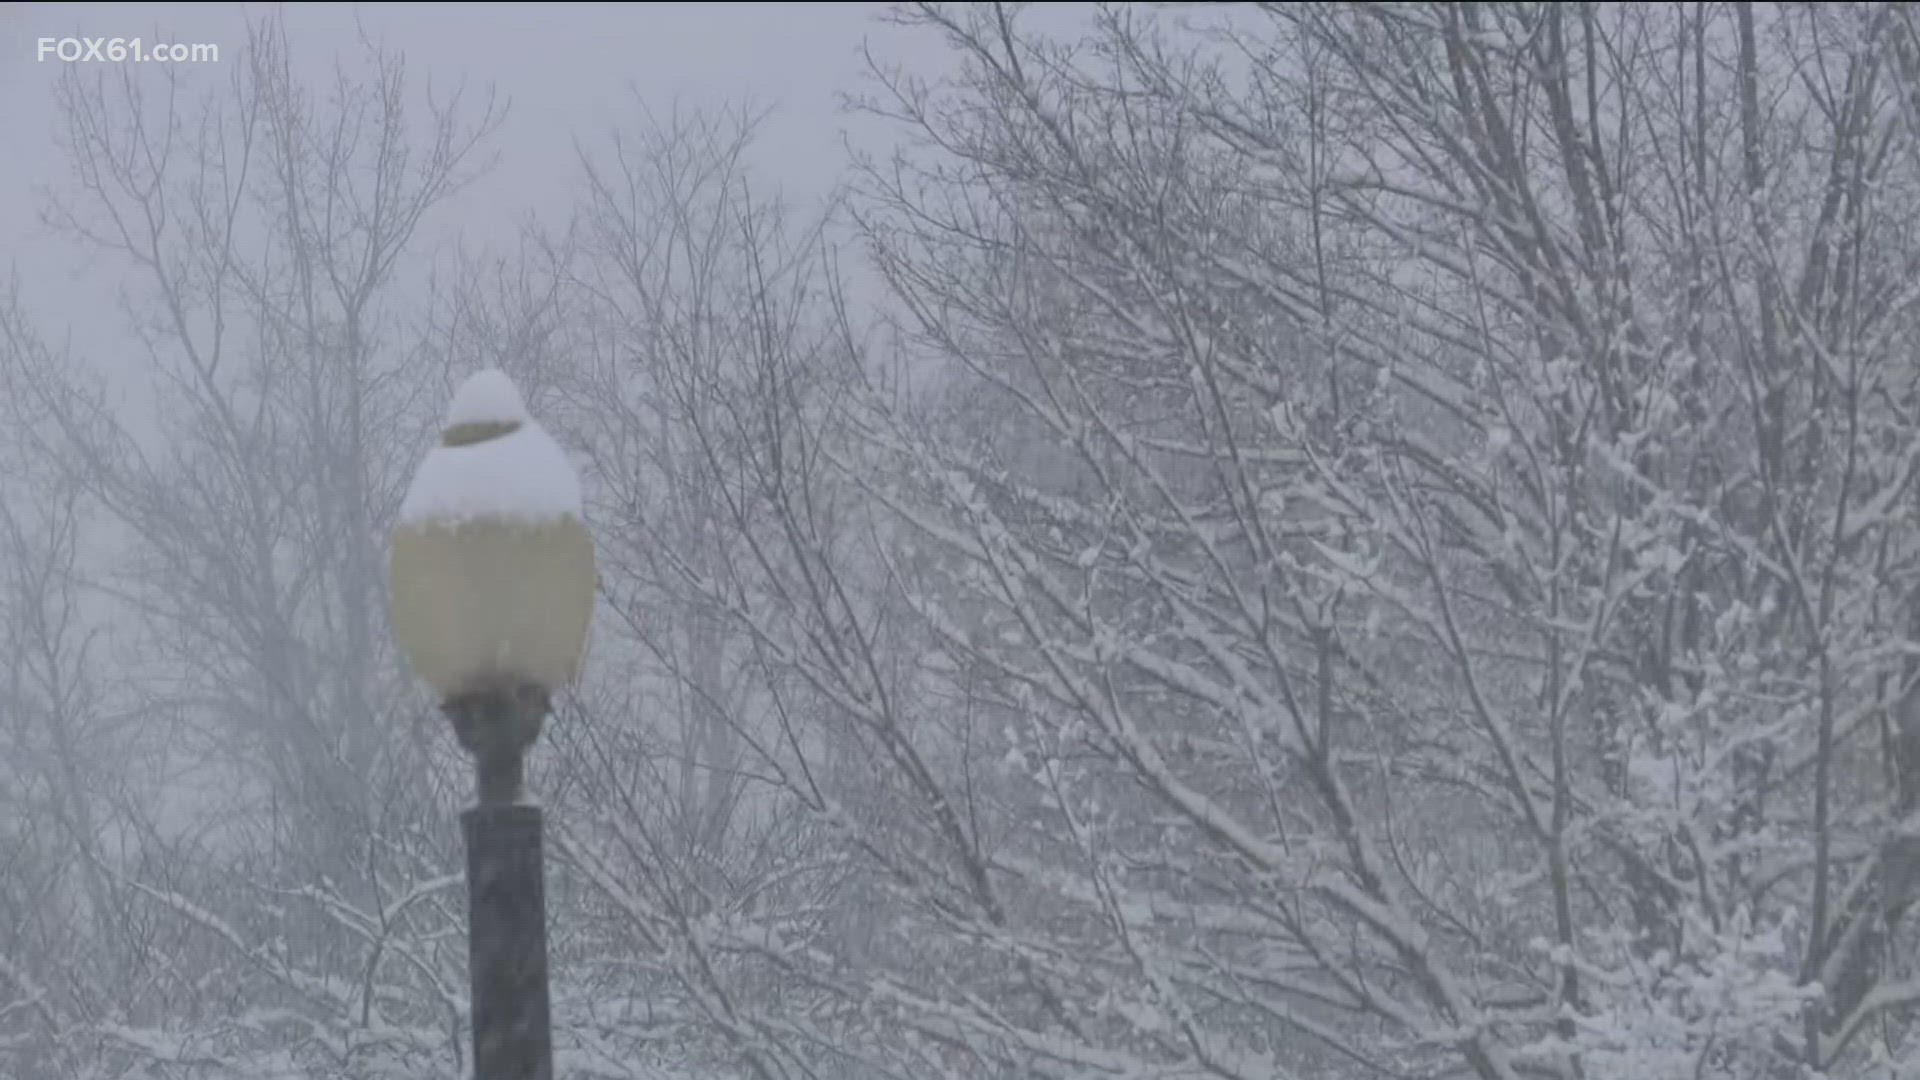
{"x":1307,"y":541}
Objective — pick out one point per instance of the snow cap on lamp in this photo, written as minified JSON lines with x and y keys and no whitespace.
{"x":494,"y":462}
{"x":487,"y":397}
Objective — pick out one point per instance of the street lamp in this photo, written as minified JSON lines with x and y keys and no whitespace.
{"x":493,"y":586}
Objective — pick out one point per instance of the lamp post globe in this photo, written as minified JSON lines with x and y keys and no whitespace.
{"x":493,"y":575}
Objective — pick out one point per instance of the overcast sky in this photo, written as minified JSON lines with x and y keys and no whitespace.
{"x":566,"y":70}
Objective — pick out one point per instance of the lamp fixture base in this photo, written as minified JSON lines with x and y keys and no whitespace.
{"x":497,"y":721}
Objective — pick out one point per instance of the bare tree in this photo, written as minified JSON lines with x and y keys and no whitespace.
{"x":702,"y":351}
{"x":265,"y":231}
{"x":1465,"y":602}
{"x":62,"y":952}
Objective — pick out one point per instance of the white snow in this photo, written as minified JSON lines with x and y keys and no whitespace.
{"x":487,"y":397}
{"x":521,"y":476}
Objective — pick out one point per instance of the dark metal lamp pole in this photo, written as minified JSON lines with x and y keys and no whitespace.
{"x":506,"y":884}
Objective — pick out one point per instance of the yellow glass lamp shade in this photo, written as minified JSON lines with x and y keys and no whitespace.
{"x":493,"y":570}
{"x":493,"y":601}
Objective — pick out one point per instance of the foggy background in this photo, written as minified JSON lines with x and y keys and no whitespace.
{"x":1251,"y":541}
{"x":568,"y":74}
